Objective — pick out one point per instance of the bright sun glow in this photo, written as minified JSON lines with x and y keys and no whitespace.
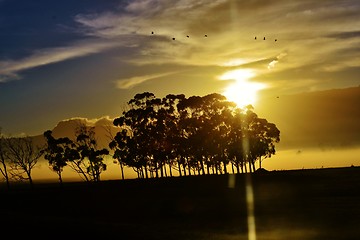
{"x":242,"y":91}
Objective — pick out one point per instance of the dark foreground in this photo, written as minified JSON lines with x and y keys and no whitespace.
{"x":289,"y":205}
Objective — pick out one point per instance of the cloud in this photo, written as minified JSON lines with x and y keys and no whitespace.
{"x":133,"y":81}
{"x":125,"y":26}
{"x":345,"y":35}
{"x":103,"y":127}
{"x":9,"y":69}
{"x":309,"y":32}
{"x":276,"y":60}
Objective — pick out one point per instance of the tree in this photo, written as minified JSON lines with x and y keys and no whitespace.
{"x":89,"y":162}
{"x":4,"y":161}
{"x":262,"y":137}
{"x":113,"y":147}
{"x":82,"y":155}
{"x":23,"y":155}
{"x":59,"y":152}
{"x":134,"y":141}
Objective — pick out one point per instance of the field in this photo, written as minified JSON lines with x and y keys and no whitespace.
{"x":287,"y":205}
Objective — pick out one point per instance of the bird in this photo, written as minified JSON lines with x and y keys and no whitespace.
{"x":187,"y":36}
{"x":173,"y":38}
{"x":255,"y":38}
{"x":264,"y":38}
{"x":205,"y":35}
{"x":152,"y":32}
{"x":275,"y":40}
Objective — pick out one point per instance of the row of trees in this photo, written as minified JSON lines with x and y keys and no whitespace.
{"x":19,"y":155}
{"x":195,"y":135}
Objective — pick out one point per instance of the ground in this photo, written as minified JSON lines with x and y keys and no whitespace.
{"x":297,"y":205}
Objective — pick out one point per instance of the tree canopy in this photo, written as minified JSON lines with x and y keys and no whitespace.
{"x":195,"y":135}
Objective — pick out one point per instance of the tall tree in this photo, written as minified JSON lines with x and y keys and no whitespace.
{"x":137,"y":127}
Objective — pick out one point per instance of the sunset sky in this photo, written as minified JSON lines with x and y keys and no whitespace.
{"x":65,"y":59}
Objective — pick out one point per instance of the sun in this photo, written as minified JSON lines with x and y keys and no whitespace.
{"x":241,"y":91}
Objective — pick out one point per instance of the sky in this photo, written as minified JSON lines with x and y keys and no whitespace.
{"x":61,"y":60}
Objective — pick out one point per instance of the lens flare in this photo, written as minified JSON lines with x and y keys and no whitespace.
{"x":242,"y":91}
{"x":250,"y":208}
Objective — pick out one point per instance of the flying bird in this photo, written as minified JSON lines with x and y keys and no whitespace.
{"x":152,"y":32}
{"x":173,"y":38}
{"x":187,"y":36}
{"x":205,"y":35}
{"x":264,"y":38}
{"x":255,"y":38}
{"x":275,"y":40}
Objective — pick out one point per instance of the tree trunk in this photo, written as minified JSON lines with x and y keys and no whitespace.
{"x":184,"y":168}
{"x":146,"y":172}
{"x":179,"y":166}
{"x":260,"y":163}
{"x":225,"y":170}
{"x":202,"y":167}
{"x":122,"y":170}
{"x":60,"y":178}
{"x":165,"y":172}
{"x":189,"y":169}
{"x":170,"y":170}
{"x":161,"y":170}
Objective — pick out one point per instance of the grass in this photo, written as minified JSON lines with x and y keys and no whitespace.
{"x":297,"y":205}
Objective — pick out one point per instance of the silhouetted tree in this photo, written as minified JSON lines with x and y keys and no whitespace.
{"x":189,"y":134}
{"x":90,"y":162}
{"x":82,"y":155}
{"x":59,"y":152}
{"x":113,"y":147}
{"x":262,"y":137}
{"x":4,"y":161}
{"x":171,"y":137}
{"x":235,"y":142}
{"x":136,"y":128}
{"x":120,"y":150}
{"x":23,"y":156}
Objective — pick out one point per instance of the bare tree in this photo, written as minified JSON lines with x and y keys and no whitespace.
{"x":23,"y":155}
{"x":4,"y":161}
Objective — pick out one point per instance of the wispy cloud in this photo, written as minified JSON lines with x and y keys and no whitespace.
{"x":9,"y":69}
{"x":134,"y":81}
